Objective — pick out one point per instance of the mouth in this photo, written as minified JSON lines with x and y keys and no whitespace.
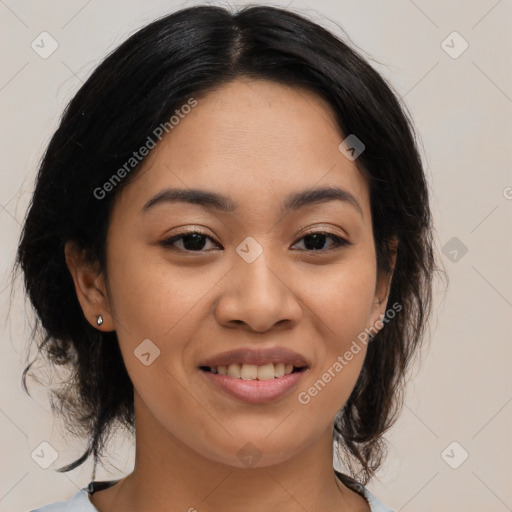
{"x":249,"y":372}
{"x":254,"y":384}
{"x":255,"y":375}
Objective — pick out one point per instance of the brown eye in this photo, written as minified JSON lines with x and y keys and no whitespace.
{"x":192,"y":241}
{"x":315,"y":241}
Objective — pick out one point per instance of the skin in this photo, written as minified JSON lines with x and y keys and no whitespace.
{"x":257,"y":142}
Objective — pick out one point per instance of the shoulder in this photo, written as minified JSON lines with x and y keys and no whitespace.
{"x":78,"y":503}
{"x":375,"y":504}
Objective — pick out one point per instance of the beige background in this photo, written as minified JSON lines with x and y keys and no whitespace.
{"x":462,"y":107}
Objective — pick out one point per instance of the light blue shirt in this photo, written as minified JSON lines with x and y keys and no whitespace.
{"x":80,"y":503}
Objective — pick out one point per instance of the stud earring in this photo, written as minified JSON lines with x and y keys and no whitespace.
{"x":99,"y":320}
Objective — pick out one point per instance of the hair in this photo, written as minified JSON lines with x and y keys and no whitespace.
{"x":135,"y":89}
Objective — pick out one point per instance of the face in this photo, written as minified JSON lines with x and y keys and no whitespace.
{"x":252,"y":277}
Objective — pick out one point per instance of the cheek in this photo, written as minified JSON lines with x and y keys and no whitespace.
{"x":343,"y":303}
{"x":343,"y":297}
{"x":154,"y":299}
{"x":151,"y":298}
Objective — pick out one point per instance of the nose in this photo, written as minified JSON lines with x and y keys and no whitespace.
{"x":258,"y":296}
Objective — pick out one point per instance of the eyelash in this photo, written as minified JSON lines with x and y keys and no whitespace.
{"x":339,"y":242}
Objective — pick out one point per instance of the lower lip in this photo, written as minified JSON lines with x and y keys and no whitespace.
{"x":256,"y":391}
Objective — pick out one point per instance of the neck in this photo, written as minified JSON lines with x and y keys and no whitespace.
{"x":170,"y":475}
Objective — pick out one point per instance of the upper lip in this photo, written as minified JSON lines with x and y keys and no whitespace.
{"x":258,"y":357}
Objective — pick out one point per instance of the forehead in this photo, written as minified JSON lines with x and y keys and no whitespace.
{"x":254,"y":140}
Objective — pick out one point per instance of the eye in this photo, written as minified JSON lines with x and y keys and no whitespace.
{"x":315,"y":240}
{"x":195,"y":241}
{"x":191,"y":241}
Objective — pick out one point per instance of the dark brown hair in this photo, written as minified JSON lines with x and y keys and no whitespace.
{"x":137,"y":88}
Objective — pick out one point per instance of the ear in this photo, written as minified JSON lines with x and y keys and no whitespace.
{"x":90,"y":287}
{"x":383,"y":287}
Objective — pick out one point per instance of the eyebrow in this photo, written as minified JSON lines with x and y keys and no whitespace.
{"x":220,"y":202}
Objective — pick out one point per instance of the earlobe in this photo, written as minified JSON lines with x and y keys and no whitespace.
{"x":378,"y":313}
{"x":90,"y":287}
{"x":383,"y":287}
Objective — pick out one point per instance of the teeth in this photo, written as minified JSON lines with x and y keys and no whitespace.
{"x":253,"y":372}
{"x":266,"y":371}
{"x":234,"y":371}
{"x":279,"y":369}
{"x":249,"y":371}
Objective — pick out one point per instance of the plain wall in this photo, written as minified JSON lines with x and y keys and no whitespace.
{"x":462,"y":108}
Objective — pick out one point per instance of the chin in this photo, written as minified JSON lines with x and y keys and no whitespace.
{"x":254,"y":451}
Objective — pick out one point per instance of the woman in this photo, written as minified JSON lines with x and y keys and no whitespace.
{"x":230,"y":245}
